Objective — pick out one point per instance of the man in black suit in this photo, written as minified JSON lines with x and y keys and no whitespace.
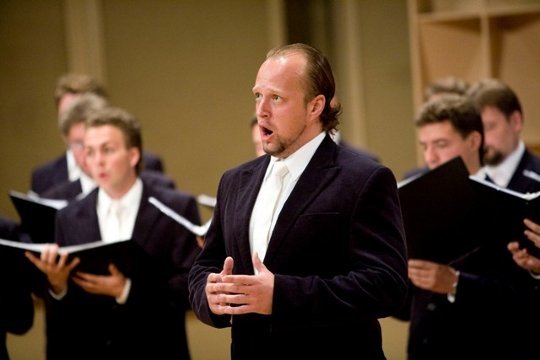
{"x":136,"y":315}
{"x":72,"y":121}
{"x":335,"y":262}
{"x":464,"y":308}
{"x":509,"y":163}
{"x":16,"y":303}
{"x":64,"y":167}
{"x":440,"y":86}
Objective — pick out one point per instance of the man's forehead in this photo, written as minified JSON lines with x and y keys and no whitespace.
{"x":278,"y":73}
{"x":103,"y":131}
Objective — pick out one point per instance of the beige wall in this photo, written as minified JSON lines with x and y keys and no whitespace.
{"x":32,"y":57}
{"x":185,"y":68}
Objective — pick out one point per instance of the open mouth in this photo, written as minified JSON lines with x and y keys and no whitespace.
{"x":265,"y":131}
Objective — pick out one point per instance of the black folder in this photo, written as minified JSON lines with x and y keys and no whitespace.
{"x":95,"y":257}
{"x":441,"y":214}
{"x":506,"y":210}
{"x":37,"y":215}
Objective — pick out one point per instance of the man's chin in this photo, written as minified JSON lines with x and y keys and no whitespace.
{"x":493,"y":159}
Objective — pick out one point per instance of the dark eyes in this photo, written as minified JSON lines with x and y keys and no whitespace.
{"x":274,"y":97}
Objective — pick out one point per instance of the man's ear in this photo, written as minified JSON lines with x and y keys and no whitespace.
{"x":316,"y":105}
{"x":476,"y":139}
{"x":135,"y":155}
{"x":516,"y":120}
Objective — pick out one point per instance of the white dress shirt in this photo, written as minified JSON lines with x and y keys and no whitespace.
{"x":129,"y":204}
{"x":296,"y":163}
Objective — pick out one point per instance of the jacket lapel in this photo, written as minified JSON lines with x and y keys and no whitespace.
{"x":320,"y":171}
{"x":87,"y":223}
{"x":248,"y":188}
{"x":147,"y":215}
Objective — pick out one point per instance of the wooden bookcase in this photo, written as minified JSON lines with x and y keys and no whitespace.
{"x":473,"y":39}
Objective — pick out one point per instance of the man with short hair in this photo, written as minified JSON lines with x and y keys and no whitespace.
{"x":311,"y":278}
{"x":463,"y":309}
{"x":120,"y":315}
{"x":70,"y":87}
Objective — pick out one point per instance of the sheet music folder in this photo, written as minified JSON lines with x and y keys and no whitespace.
{"x":506,"y":210}
{"x":38,"y":215}
{"x":441,"y":214}
{"x":95,"y":256}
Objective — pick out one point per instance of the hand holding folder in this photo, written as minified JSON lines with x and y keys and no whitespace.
{"x":449,"y":215}
{"x":506,"y":210}
{"x":95,"y":257}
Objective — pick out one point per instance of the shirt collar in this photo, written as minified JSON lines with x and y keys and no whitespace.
{"x":87,"y":183}
{"x":74,"y":171}
{"x":297,"y":162}
{"x":129,"y":200}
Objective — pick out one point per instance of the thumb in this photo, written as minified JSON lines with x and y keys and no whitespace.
{"x":227,"y":266}
{"x":113,"y":270}
{"x":258,"y":265}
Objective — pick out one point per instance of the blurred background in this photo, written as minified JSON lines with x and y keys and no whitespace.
{"x":185,"y":69}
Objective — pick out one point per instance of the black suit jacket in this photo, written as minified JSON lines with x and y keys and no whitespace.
{"x":526,"y":178}
{"x":152,"y":161}
{"x":16,"y":304}
{"x":151,"y":324}
{"x":337,"y":252}
{"x":495,"y":301}
{"x":55,"y":171}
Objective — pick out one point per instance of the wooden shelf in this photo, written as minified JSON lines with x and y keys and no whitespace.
{"x":474,"y":39}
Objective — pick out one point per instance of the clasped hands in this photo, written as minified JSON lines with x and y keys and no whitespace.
{"x":55,"y":265}
{"x":240,"y":294}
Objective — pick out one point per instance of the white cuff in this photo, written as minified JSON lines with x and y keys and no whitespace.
{"x":125,"y":293}
{"x":58,"y":296}
{"x":451,"y":296}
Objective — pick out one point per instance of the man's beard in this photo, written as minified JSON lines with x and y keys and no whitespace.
{"x":493,"y":157}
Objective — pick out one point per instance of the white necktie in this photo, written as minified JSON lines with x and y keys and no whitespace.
{"x":114,"y":222}
{"x":265,"y":207}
